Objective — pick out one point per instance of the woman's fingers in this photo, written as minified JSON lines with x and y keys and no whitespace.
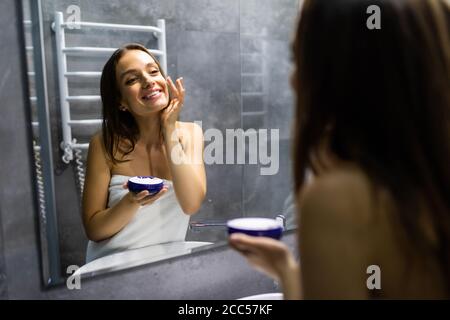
{"x":173,"y":89}
{"x":144,"y":197}
{"x":238,"y":241}
{"x":265,"y":254}
{"x":243,"y":243}
{"x":177,"y":89}
{"x":237,"y":246}
{"x":170,"y":113}
{"x":141,"y":195}
{"x":244,"y":240}
{"x":260,"y":246}
{"x":166,"y":111}
{"x":180,"y":89}
{"x":155,"y":197}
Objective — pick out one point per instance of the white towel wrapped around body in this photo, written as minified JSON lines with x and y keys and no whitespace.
{"x":160,"y":222}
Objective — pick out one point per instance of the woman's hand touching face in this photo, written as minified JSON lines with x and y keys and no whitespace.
{"x":170,"y":114}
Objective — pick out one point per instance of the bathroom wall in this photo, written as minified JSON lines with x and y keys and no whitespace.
{"x":19,"y":254}
{"x":216,"y":274}
{"x":234,"y":58}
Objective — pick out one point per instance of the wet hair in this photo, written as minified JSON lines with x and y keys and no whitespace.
{"x":118,"y":126}
{"x":382,"y":98}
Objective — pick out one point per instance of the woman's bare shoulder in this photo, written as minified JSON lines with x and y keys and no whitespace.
{"x":191,"y":126}
{"x":97,"y":151}
{"x":96,"y":140}
{"x":342,"y":196}
{"x":189,"y":131}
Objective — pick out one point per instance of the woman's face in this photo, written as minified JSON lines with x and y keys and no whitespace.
{"x":142,"y":87}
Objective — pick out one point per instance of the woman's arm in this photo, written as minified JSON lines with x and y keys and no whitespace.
{"x":186,"y":165}
{"x":186,"y":158}
{"x":99,"y":221}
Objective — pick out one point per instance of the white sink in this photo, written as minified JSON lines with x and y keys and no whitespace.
{"x":265,"y":296}
{"x":140,"y":256}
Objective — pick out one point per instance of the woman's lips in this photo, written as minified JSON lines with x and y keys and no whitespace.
{"x":152,"y":96}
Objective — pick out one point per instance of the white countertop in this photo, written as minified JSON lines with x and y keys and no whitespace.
{"x":140,"y":256}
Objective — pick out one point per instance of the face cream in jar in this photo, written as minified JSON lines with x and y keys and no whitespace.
{"x":140,"y":183}
{"x":259,"y":227}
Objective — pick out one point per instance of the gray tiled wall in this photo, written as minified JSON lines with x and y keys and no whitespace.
{"x":3,"y":284}
{"x":19,"y":256}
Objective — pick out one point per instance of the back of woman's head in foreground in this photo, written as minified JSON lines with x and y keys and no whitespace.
{"x":382,"y":98}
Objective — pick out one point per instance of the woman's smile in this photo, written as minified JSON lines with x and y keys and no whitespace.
{"x":152,"y":95}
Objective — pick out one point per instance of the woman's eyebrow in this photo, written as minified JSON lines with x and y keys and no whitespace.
{"x":150,"y":64}
{"x":127,"y":72}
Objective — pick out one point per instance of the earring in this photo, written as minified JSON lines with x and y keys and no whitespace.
{"x":122,"y":108}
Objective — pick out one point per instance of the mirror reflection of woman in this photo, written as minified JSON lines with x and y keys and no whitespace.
{"x":141,"y":136}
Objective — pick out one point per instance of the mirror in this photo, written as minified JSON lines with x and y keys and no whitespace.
{"x":234,"y":57}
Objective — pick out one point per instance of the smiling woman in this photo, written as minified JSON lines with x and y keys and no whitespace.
{"x":233,"y":57}
{"x":140,"y":129}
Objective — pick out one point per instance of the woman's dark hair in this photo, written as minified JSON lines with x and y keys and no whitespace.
{"x":382,"y":98}
{"x":118,"y":126}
